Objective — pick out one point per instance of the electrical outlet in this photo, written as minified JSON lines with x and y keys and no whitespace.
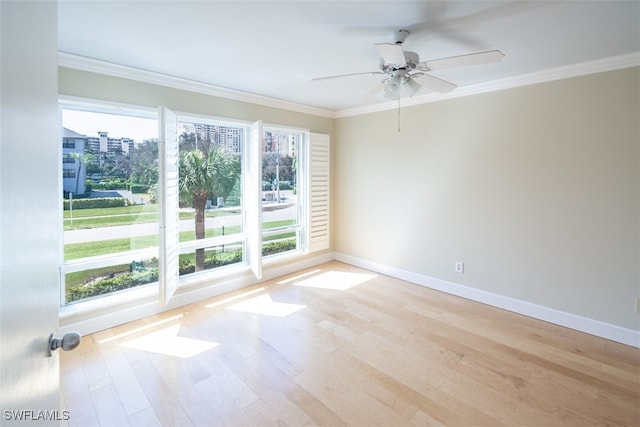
{"x":459,"y":267}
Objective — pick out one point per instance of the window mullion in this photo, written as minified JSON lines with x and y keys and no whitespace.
{"x":168,"y":185}
{"x":253,"y":200}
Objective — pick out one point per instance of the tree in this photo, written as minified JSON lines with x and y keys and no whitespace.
{"x":120,"y":166}
{"x":286,"y":169}
{"x":275,"y":164}
{"x":191,"y":141}
{"x":144,"y":163}
{"x":200,"y":176}
{"x":270,"y":162}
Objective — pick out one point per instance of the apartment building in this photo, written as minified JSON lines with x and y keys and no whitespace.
{"x":74,"y":174}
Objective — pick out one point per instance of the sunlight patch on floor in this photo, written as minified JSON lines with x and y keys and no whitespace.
{"x":166,"y":341}
{"x":336,"y":280}
{"x":235,"y":297}
{"x":263,"y":304}
{"x":140,"y":329}
{"x":298,"y":277}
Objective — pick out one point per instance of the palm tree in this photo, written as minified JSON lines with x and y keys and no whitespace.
{"x":201,"y":175}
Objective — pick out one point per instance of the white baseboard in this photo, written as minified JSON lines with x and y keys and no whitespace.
{"x":583,"y":324}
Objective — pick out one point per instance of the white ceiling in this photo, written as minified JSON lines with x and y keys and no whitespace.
{"x":275,"y":48}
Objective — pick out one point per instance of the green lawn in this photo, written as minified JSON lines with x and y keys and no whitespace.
{"x":81,"y":277}
{"x":126,"y":215}
{"x":103,"y":247}
{"x":124,"y":210}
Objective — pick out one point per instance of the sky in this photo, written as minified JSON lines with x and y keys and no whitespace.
{"x":90,"y":123}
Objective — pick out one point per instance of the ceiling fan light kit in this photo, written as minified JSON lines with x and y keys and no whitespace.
{"x":397,"y":87}
{"x":406,"y":75}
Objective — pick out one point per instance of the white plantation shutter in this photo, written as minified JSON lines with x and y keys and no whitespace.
{"x":168,"y":194}
{"x":253,"y":200}
{"x":319,"y":186}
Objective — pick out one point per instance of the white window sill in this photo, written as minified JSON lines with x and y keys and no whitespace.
{"x":124,"y":306}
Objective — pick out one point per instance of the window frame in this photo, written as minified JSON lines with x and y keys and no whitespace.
{"x":70,"y":266}
{"x":197,"y":278}
{"x":302,"y":182}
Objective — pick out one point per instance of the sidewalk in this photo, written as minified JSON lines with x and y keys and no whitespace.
{"x":136,"y":230}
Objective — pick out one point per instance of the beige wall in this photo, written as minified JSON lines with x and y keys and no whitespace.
{"x":535,"y":188}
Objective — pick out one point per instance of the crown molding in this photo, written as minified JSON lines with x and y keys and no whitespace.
{"x":552,"y":74}
{"x":92,"y":65}
{"x":115,"y":70}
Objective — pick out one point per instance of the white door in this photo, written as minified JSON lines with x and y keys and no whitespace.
{"x":30,"y":202}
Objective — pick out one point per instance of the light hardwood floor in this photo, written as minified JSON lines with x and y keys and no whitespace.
{"x":336,"y":345}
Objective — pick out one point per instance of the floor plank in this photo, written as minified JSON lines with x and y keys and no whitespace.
{"x":336,"y":345}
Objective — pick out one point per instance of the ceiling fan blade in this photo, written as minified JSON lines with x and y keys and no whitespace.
{"x":391,"y":53}
{"x":488,"y":57}
{"x":374,"y":91}
{"x":435,"y":83}
{"x":371,"y":73}
{"x":412,"y":87}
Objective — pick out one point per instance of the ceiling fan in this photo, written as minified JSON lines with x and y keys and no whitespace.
{"x":406,"y":75}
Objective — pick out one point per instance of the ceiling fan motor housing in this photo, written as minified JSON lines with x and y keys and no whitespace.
{"x":399,"y":36}
{"x":411,"y":61}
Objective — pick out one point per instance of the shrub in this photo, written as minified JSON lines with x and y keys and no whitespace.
{"x":113,"y":184}
{"x":139,"y":188}
{"x":212,"y":260}
{"x":233,"y":199}
{"x":140,"y":273}
{"x":99,"y":202}
{"x":112,"y":284}
{"x":278,"y":246}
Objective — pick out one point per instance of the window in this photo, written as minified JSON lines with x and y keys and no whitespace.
{"x":210,"y":194}
{"x":281,"y":190}
{"x":110,"y":224}
{"x":159,"y":200}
